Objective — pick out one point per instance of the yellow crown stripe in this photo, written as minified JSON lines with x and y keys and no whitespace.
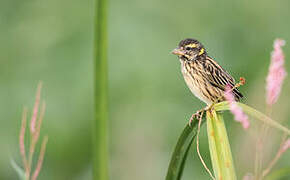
{"x":192,"y":45}
{"x":201,"y":51}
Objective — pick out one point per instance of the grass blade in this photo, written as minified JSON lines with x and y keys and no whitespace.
{"x":100,"y":139}
{"x":180,"y":153}
{"x":254,"y":113}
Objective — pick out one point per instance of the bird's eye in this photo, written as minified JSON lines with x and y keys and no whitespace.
{"x":187,"y":48}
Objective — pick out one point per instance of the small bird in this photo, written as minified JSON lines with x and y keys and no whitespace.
{"x":205,"y":78}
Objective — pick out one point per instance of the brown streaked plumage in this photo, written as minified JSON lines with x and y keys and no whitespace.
{"x":205,"y":77}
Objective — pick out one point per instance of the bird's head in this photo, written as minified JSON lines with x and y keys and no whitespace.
{"x":189,"y":49}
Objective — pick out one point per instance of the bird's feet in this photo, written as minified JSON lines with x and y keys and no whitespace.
{"x":197,"y":115}
{"x":210,"y":107}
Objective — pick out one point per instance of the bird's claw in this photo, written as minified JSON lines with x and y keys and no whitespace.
{"x":196,"y":115}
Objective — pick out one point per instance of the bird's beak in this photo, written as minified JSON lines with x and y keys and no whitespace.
{"x":177,"y":52}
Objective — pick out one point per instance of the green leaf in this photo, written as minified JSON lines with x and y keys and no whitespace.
{"x":222,"y":106}
{"x":19,"y":170}
{"x":100,"y":127}
{"x":216,"y":164}
{"x":180,"y":153}
{"x":220,"y":150}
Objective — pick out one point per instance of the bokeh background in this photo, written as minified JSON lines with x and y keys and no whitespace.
{"x":150,"y":104}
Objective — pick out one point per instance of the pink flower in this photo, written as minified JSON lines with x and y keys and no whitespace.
{"x":40,"y":158}
{"x":21,"y":139}
{"x":35,"y":109}
{"x":237,"y":111}
{"x":276,"y":73}
{"x":35,"y":125}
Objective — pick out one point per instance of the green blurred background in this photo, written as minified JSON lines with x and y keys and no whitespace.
{"x":150,"y":104}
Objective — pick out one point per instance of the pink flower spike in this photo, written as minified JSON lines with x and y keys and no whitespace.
{"x":277,"y":73}
{"x":237,"y":111}
{"x":22,"y":138}
{"x":40,"y":158}
{"x":37,"y":131}
{"x":35,"y":109}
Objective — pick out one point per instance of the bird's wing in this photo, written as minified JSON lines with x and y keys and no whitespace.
{"x":218,"y":77}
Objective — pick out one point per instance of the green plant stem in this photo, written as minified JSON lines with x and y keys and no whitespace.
{"x":222,"y":106}
{"x":180,"y":153}
{"x":100,"y":139}
{"x":219,"y":147}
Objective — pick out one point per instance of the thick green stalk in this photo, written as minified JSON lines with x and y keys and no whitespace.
{"x":180,"y":153}
{"x":100,"y":133}
{"x":219,"y":147}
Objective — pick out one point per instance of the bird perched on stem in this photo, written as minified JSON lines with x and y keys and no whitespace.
{"x":205,"y":78}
